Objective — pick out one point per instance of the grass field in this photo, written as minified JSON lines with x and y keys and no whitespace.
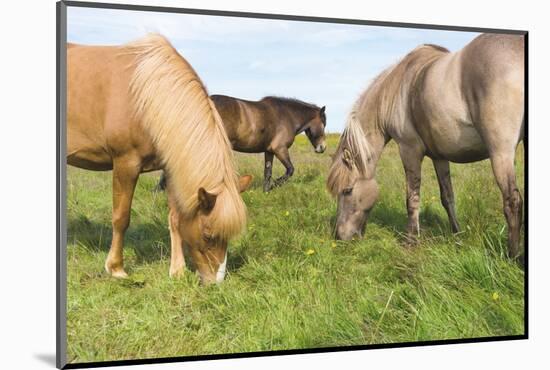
{"x":289,"y":285}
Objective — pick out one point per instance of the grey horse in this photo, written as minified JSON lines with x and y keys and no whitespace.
{"x":460,"y":107}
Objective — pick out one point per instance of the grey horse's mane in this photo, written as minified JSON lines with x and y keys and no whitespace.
{"x":385,"y":103}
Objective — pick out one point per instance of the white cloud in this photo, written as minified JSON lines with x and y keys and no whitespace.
{"x":131,"y":24}
{"x":326,"y":64}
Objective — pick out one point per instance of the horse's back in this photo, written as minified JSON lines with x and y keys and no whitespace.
{"x":245,"y":123}
{"x":492,"y":59}
{"x":493,"y":79}
{"x":456,"y":106}
{"x":229,"y":109}
{"x":98,"y":105}
{"x":92,"y":73}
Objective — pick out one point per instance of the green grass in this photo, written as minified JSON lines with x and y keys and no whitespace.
{"x":277,"y":296}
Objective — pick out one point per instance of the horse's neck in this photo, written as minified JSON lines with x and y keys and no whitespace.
{"x":299,"y":118}
{"x":374,"y":127}
{"x":377,"y":141}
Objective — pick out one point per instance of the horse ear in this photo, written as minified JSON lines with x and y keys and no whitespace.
{"x":244,"y":182}
{"x":346,"y":162}
{"x":347,"y":158}
{"x":323,"y":109}
{"x":207,"y":200}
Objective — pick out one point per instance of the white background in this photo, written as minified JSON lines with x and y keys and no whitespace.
{"x":27,"y":145}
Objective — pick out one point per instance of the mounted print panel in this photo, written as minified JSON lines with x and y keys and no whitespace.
{"x":235,"y":185}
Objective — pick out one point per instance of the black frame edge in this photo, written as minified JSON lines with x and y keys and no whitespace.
{"x":288,"y":17}
{"x":526,"y":188}
{"x":226,"y":356}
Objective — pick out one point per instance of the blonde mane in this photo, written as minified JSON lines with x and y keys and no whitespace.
{"x":174,"y":107}
{"x":352,"y":155}
{"x":384,"y":105}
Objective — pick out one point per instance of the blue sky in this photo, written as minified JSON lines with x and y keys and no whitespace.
{"x":325,"y":64}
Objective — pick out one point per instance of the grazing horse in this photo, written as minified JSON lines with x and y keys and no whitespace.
{"x":141,"y":107}
{"x":460,"y":107}
{"x":269,"y":126}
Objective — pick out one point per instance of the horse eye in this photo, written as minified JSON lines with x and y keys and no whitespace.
{"x":207,"y":238}
{"x":347,"y":191}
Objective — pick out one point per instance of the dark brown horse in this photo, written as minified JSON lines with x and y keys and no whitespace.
{"x":269,"y":126}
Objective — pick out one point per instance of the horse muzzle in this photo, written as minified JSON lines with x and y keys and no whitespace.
{"x":320,"y":148}
{"x":346,"y":233}
{"x":214,"y":276}
{"x":220,"y":274}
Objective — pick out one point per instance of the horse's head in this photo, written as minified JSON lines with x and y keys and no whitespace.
{"x":208,"y":249}
{"x":355,"y":193}
{"x":315,"y":131}
{"x":354,"y":205}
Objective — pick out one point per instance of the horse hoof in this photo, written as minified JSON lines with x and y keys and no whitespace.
{"x":118,"y":273}
{"x":521,"y":261}
{"x":176,"y":273}
{"x":410,"y":242}
{"x":159,"y":188}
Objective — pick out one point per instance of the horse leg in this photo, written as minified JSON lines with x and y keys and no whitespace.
{"x":501,"y":120}
{"x":161,"y":186}
{"x":283,"y":156}
{"x":125,"y":176}
{"x":446,"y":191}
{"x":177,"y":260}
{"x":503,"y":169}
{"x":412,"y":162}
{"x":268,"y":170}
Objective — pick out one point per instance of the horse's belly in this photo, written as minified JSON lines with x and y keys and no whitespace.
{"x":459,"y":142}
{"x":90,"y":160}
{"x":247,"y":146}
{"x":248,"y":143}
{"x":88,"y":156}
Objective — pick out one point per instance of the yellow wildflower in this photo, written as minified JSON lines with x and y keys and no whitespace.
{"x":496,"y":297}
{"x":310,"y":251}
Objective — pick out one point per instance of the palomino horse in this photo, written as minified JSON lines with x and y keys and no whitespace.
{"x":460,"y":107}
{"x":269,"y":126}
{"x":141,"y":107}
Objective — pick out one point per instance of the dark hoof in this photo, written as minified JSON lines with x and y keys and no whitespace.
{"x":410,"y":242}
{"x":521,"y":261}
